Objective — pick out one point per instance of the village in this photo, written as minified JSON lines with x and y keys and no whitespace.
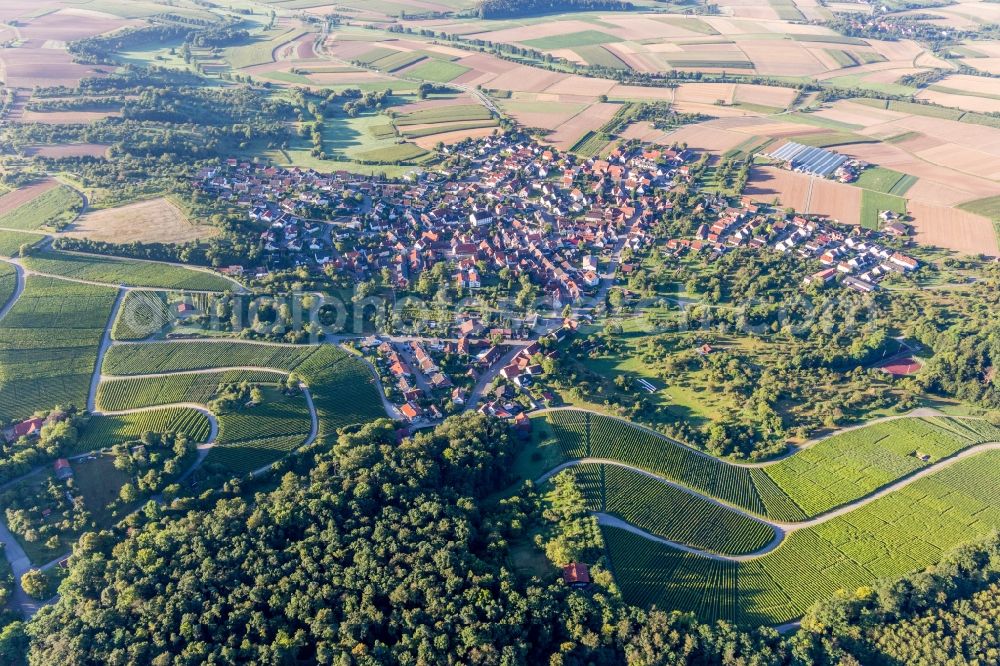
{"x":513,"y":215}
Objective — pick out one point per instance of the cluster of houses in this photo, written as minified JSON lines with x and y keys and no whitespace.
{"x":516,"y":206}
{"x":860,"y":257}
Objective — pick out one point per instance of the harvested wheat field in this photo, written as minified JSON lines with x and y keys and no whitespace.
{"x":23,"y":195}
{"x":26,"y":67}
{"x":706,"y":137}
{"x":67,"y":117}
{"x":767,"y":184}
{"x":152,"y":221}
{"x":448,"y":138}
{"x":835,"y":200}
{"x":573,"y":129}
{"x":644,"y":131}
{"x":67,"y":150}
{"x":937,"y":185}
{"x":967,"y":102}
{"x":69,"y":25}
{"x":953,"y":229}
{"x":765,"y":95}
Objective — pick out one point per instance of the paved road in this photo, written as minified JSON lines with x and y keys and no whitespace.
{"x":488,"y":376}
{"x":18,"y":290}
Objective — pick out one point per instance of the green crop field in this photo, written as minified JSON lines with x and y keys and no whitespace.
{"x":855,"y":463}
{"x":988,"y":207}
{"x":134,"y":392}
{"x":48,"y":345}
{"x":104,"y":431}
{"x":842,"y":57}
{"x":142,"y":359}
{"x":439,"y":71}
{"x":596,"y":54}
{"x":261,"y":50}
{"x":444,"y":114}
{"x":786,"y":10}
{"x":885,"y":180}
{"x":826,"y":139}
{"x":398,"y":60}
{"x":590,"y":144}
{"x":873,"y":203}
{"x":691,"y":63}
{"x":572,"y":40}
{"x":55,"y":206}
{"x":129,"y":272}
{"x":375,"y":54}
{"x":11,"y":241}
{"x":396,"y":153}
{"x":669,"y":512}
{"x":833,"y":472}
{"x":893,"y":535}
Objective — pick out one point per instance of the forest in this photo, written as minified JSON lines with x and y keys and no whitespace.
{"x":496,"y":9}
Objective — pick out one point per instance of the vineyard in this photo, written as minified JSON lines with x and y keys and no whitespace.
{"x":141,"y":314}
{"x":833,"y":472}
{"x":142,"y":359}
{"x":128,"y":272}
{"x":343,"y":388}
{"x":852,"y":464}
{"x":259,"y":435}
{"x":8,"y":283}
{"x":11,"y":241}
{"x":131,"y":393}
{"x":669,"y":512}
{"x":103,"y":431}
{"x":48,"y":345}
{"x":901,"y":532}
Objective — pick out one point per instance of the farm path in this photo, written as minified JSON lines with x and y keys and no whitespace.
{"x":18,"y":290}
{"x":781,"y":529}
{"x":790,"y":451}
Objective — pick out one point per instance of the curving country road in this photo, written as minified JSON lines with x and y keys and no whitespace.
{"x":18,"y":289}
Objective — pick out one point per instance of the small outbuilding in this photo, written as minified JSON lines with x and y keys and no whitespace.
{"x":62,"y":469}
{"x":576,"y":575}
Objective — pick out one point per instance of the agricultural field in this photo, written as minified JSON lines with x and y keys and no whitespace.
{"x":8,"y":283}
{"x":104,"y":431}
{"x":199,"y":388}
{"x":885,"y":180}
{"x":874,"y":203}
{"x":52,"y":207}
{"x":901,"y":532}
{"x":142,"y":314}
{"x":153,"y":221}
{"x":833,"y":472}
{"x":343,"y":388}
{"x":253,"y":437}
{"x":11,"y":241}
{"x":48,"y":345}
{"x":127,"y":272}
{"x":670,"y":513}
